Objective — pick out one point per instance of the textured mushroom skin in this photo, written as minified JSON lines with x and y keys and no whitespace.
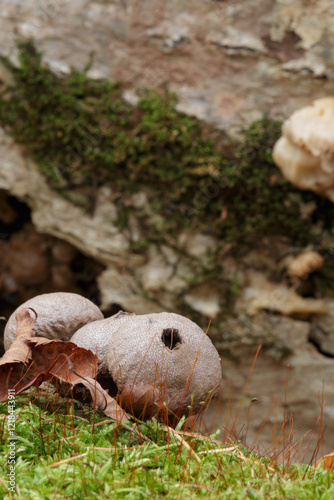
{"x":97,"y":335}
{"x":138,"y":358}
{"x":155,"y":358}
{"x":59,"y":315}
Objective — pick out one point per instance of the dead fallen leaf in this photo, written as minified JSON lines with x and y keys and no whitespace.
{"x":73,"y":365}
{"x":14,"y":361}
{"x":326,"y":462}
{"x":31,"y":360}
{"x":19,"y":351}
{"x":103,"y":401}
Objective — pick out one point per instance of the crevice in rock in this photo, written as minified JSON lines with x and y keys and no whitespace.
{"x":286,"y":50}
{"x":13,"y":215}
{"x":32,"y":263}
{"x":112,"y":310}
{"x":320,"y":350}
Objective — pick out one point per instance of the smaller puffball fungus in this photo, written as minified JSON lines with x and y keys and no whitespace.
{"x":163,"y":358}
{"x":59,"y":315}
{"x":305,"y":152}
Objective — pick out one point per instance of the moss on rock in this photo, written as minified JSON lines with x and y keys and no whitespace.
{"x":83,"y":135}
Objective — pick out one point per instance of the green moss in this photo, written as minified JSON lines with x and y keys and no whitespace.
{"x":84,"y":135}
{"x":62,"y":450}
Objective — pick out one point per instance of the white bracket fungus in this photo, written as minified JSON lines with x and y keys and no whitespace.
{"x":305,"y":152}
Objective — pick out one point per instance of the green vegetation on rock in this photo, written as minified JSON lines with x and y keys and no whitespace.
{"x":83,"y":135}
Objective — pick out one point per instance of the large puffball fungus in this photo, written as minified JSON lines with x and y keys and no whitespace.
{"x":96,"y":336}
{"x":305,"y":152}
{"x":163,"y":359}
{"x":59,"y":315}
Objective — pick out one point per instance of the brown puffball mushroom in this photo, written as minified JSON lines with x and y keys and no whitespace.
{"x":59,"y":315}
{"x":97,"y":335}
{"x":166,"y":356}
{"x":154,"y":360}
{"x":305,"y":152}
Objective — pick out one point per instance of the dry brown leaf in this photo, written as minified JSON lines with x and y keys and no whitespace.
{"x":31,"y":360}
{"x":73,"y":365}
{"x":19,"y":352}
{"x":327,"y":461}
{"x":103,"y":401}
{"x":62,"y":359}
{"x":14,"y":362}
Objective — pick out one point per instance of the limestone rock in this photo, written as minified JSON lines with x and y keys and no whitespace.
{"x":197,"y":244}
{"x":55,"y":215}
{"x":136,"y":282}
{"x":205,"y":299}
{"x":119,"y":287}
{"x":295,"y":385}
{"x":322,"y":331}
{"x":261,"y":294}
{"x":262,"y":51}
{"x":156,"y":272}
{"x":237,"y":41}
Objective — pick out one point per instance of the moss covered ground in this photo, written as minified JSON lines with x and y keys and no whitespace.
{"x":63,"y":450}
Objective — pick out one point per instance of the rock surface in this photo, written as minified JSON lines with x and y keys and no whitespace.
{"x":137,"y":283}
{"x":230,"y":61}
{"x":260,"y":294}
{"x":322,"y":331}
{"x":282,"y":396}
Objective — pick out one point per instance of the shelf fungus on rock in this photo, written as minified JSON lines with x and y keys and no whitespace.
{"x":305,"y":152}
